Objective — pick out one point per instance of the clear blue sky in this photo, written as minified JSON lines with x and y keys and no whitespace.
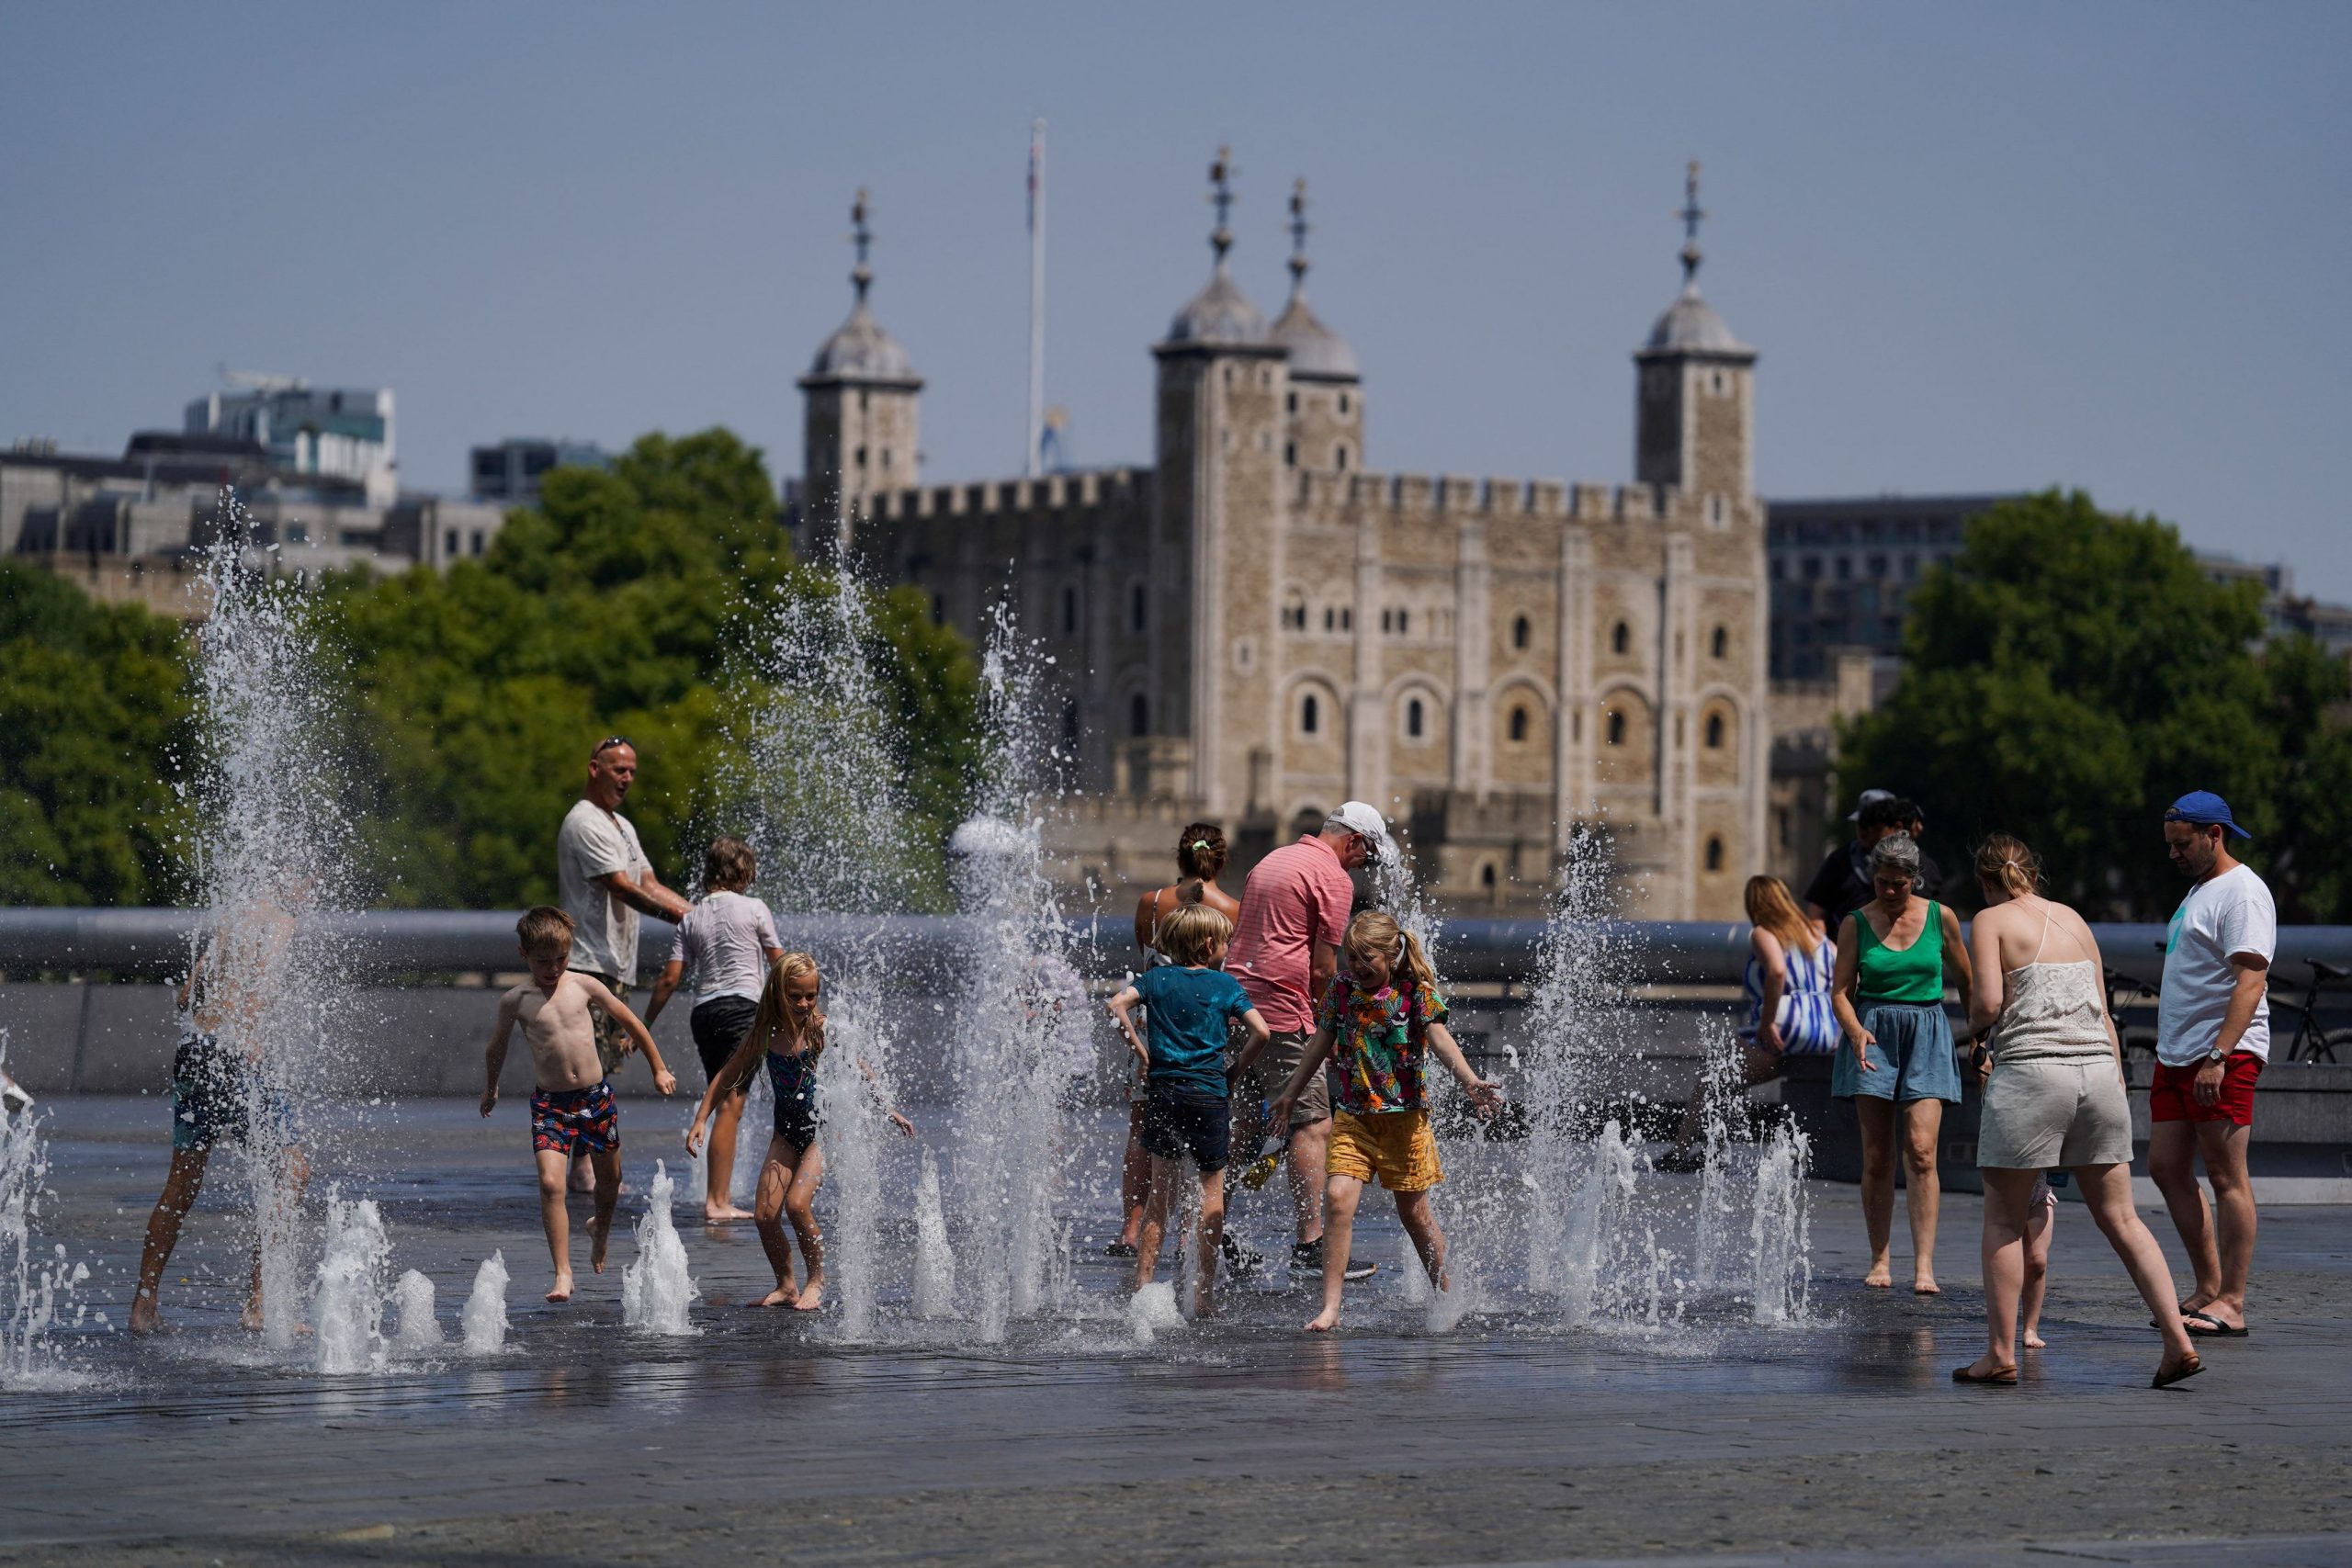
{"x":1979,"y":246}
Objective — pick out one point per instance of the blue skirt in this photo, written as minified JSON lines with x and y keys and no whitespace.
{"x":1911,"y":1060}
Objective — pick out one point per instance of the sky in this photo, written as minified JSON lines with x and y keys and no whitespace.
{"x":1981,"y":248}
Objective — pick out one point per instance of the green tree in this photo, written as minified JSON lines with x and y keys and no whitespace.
{"x":2303,"y":853}
{"x":2068,"y":674}
{"x":94,"y":706}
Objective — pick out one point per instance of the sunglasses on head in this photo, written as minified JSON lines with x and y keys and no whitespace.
{"x":608,"y":743}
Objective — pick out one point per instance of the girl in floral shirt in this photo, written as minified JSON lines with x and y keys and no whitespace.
{"x":1379,"y":1022}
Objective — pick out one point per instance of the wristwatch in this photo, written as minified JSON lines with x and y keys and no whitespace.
{"x":2218,"y":1055}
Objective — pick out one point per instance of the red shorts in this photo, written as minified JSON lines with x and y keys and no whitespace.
{"x":2173,"y":1097}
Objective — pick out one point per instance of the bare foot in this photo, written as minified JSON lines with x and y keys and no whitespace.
{"x":1924,"y":1285}
{"x":250,"y":1319}
{"x":1324,"y":1321}
{"x":602,"y":1235}
{"x":711,"y":1217}
{"x":782,"y":1296}
{"x":146,"y":1317}
{"x":2032,"y":1340}
{"x":1880,"y":1278}
{"x":2196,"y":1301}
{"x":562,"y":1292}
{"x":813,"y":1294}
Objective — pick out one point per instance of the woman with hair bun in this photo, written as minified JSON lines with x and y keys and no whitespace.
{"x":1201,"y":854}
{"x":2054,"y":1096}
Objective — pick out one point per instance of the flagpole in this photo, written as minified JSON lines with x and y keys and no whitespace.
{"x":1034,"y":461}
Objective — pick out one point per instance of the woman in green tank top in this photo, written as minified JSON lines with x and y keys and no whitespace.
{"x":1896,"y":1064}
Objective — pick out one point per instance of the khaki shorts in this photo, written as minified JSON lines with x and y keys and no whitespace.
{"x":1270,"y":1073}
{"x":1395,"y":1145}
{"x":2055,"y":1110}
{"x":611,"y":1040}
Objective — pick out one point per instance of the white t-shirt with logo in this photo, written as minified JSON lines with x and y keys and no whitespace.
{"x":2231,"y":913}
{"x":594,"y":843}
{"x":724,"y":942}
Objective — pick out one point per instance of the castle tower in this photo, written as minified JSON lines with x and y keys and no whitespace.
{"x":1215,"y":567}
{"x":859,"y":427}
{"x":1695,"y":419}
{"x":1323,"y":427}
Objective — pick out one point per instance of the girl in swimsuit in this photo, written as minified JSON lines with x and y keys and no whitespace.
{"x":790,"y":1033}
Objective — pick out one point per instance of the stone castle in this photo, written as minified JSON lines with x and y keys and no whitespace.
{"x":1261,"y":625}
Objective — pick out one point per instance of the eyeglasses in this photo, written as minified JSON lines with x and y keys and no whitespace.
{"x":608,"y":743}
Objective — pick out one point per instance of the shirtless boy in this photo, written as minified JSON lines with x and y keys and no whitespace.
{"x":572,"y":1106}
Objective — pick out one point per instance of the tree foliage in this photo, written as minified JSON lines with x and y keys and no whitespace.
{"x":2070,"y":673}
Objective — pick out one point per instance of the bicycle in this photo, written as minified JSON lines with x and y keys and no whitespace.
{"x":2123,"y":991}
{"x":2323,"y":1041}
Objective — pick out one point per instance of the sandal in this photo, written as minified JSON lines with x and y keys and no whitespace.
{"x":2205,"y":1325}
{"x":2006,"y":1377}
{"x":2189,"y":1368}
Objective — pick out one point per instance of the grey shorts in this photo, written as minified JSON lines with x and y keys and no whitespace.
{"x":1272,"y":1071}
{"x":2055,"y":1110}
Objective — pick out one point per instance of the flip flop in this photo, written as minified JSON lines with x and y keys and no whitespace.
{"x":2006,"y":1377}
{"x":2204,"y":1325}
{"x":2187,"y":1369}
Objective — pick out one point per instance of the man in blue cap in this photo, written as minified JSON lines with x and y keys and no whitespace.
{"x":2212,"y":1038}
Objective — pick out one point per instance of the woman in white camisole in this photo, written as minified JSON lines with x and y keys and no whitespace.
{"x":2055,"y":1097}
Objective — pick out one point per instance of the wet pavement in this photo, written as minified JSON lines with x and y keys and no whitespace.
{"x":1505,"y":1437}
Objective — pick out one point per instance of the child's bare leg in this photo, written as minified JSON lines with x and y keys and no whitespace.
{"x":767,"y":1212}
{"x":1158,"y":1201}
{"x":2038,"y":1226}
{"x":801,"y":1208}
{"x":717,"y":1201}
{"x":294,"y":1172}
{"x":554,"y":1172}
{"x":1211,"y":1237}
{"x":1134,"y":1180}
{"x":1420,"y":1223}
{"x":181,"y":1184}
{"x":1340,"y":1194}
{"x":582,"y":1178}
{"x":606,"y":1164}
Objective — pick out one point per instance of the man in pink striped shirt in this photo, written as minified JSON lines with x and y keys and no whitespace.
{"x":1285,"y":949}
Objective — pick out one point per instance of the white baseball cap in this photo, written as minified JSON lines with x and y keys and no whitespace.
{"x":1366,"y":822}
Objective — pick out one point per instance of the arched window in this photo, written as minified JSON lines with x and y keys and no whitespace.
{"x":1621,"y":637}
{"x":1715,"y":854}
{"x":1139,"y":715}
{"x":1343,"y":403}
{"x":1714,"y":732}
{"x":1347,"y":619}
{"x":1413,"y":718}
{"x":1520,"y":630}
{"x":1519,"y":724}
{"x":1310,"y":715}
{"x":1069,"y":612}
{"x":1616,"y":726}
{"x":1339,"y":458}
{"x":1486,"y":877}
{"x":1293,"y":403}
{"x":1290,"y":454}
{"x":1330,"y":617}
{"x":1720,"y":643}
{"x":1404,"y":622}
{"x":1139,"y":608}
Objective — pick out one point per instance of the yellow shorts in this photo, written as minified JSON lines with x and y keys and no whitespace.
{"x":1395,"y":1145}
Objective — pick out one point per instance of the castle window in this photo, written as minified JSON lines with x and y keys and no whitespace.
{"x":1388,"y":620}
{"x":1229,"y":375}
{"x":861,"y":456}
{"x":1069,"y":612}
{"x":1139,"y":715}
{"x":1520,"y":630}
{"x":1310,"y":715}
{"x":1414,"y":718}
{"x":1721,"y":642}
{"x":1519,"y":724}
{"x":1716,"y":383}
{"x":1138,"y":609}
{"x":885,"y":457}
{"x":1714,"y":852}
{"x":861,"y":400}
{"x":1715,"y":511}
{"x":1330,"y":617}
{"x":1486,"y":877}
{"x":1290,"y":454}
{"x":1714,"y":732}
{"x":1292,"y":402}
{"x":1616,"y":727}
{"x":1404,"y":622}
{"x":1339,"y":458}
{"x":1621,"y":637}
{"x":1344,"y":405}
{"x":1347,"y":618}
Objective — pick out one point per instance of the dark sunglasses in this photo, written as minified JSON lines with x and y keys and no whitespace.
{"x":608,"y":743}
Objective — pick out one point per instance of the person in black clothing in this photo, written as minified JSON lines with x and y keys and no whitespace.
{"x":1843,"y":884}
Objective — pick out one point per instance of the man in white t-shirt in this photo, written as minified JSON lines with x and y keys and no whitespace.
{"x":605,"y":882}
{"x":2212,"y":1038}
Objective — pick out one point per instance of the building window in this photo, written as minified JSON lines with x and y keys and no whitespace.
{"x":861,"y":456}
{"x":1716,"y":383}
{"x":1519,"y":724}
{"x":1310,"y":715}
{"x":1780,"y":568}
{"x":1616,"y":727}
{"x":1910,"y":568}
{"x":1404,"y":622}
{"x":885,"y":457}
{"x":1486,"y":877}
{"x":1714,"y":732}
{"x":1347,"y":618}
{"x":1388,"y":620}
{"x":1844,"y":568}
{"x":1878,"y":566}
{"x":1069,"y":612}
{"x":1290,"y":454}
{"x":1139,"y":715}
{"x":1330,"y":617}
{"x":1714,"y":852}
{"x":1339,"y":458}
{"x":300,"y":533}
{"x":1621,"y":637}
{"x":1520,"y":630}
{"x":1291,"y":402}
{"x":1138,"y":609}
{"x":1812,"y":568}
{"x":1413,"y":718}
{"x":1721,"y":642}
{"x":449,"y":542}
{"x":480,"y":540}
{"x":1344,"y":405}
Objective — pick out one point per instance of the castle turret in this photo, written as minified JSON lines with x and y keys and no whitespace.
{"x":859,"y":427}
{"x":1218,"y":520}
{"x":1695,"y":420}
{"x":1323,"y":426}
